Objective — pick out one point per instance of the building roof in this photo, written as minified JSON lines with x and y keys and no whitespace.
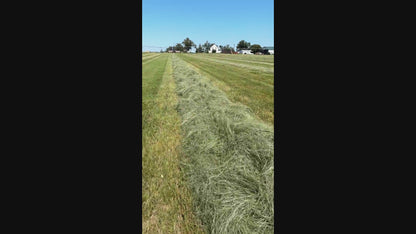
{"x":268,"y":47}
{"x":219,"y":48}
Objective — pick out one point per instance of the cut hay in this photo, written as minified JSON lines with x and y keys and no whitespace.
{"x":228,"y":157}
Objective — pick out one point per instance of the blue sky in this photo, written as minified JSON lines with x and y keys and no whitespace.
{"x":167,"y":22}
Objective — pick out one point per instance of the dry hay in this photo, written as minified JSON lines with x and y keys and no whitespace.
{"x":228,"y":157}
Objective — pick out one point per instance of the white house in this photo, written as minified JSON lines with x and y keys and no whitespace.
{"x":270,"y":49}
{"x":214,"y":47}
{"x":244,"y":51}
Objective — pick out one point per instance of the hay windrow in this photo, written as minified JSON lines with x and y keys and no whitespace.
{"x":228,"y":157}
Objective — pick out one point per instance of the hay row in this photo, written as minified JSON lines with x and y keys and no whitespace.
{"x":227,"y":157}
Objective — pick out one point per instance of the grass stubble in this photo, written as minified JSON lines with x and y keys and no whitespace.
{"x":166,"y":200}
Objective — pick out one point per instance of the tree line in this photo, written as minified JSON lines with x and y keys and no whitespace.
{"x":188,"y":44}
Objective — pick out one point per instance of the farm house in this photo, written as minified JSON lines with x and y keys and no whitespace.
{"x":269,"y":49}
{"x":244,"y":51}
{"x":214,"y":47}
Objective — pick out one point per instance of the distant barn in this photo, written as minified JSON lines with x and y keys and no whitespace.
{"x":244,"y":51}
{"x":268,"y":49}
{"x":214,"y":47}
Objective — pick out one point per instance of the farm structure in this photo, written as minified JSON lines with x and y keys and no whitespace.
{"x":269,"y":49}
{"x":216,"y":48}
{"x":244,"y":51}
{"x":174,"y":51}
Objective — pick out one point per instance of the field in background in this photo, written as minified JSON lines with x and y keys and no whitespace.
{"x":243,"y":57}
{"x":242,"y":78}
{"x":207,"y":138}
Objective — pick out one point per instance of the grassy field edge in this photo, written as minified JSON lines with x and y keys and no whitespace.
{"x":167,"y":202}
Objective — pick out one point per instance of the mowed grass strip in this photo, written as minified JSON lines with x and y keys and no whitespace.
{"x":239,"y":63}
{"x":228,"y":157}
{"x":252,"y":88}
{"x":152,"y":75}
{"x":248,"y":57}
{"x":149,"y":58}
{"x":167,"y":204}
{"x":149,"y":55}
{"x":264,"y":76}
{"x":241,"y":59}
{"x":248,"y":62}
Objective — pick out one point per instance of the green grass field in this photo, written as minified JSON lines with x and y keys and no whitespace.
{"x":250,"y":86}
{"x":166,"y":201}
{"x":207,"y":138}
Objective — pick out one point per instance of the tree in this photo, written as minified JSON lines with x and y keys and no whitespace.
{"x":179,"y":47}
{"x":256,"y":48}
{"x":199,"y":49}
{"x":187,"y":44}
{"x":243,"y":45}
{"x":169,"y":48}
{"x":227,"y":49}
{"x":206,"y":46}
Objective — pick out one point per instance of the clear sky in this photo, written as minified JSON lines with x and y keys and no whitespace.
{"x":167,"y":22}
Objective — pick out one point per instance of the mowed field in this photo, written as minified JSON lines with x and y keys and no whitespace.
{"x":166,"y":201}
{"x":248,"y":79}
{"x":207,"y":138}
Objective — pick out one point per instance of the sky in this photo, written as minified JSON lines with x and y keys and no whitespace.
{"x":168,"y":22}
